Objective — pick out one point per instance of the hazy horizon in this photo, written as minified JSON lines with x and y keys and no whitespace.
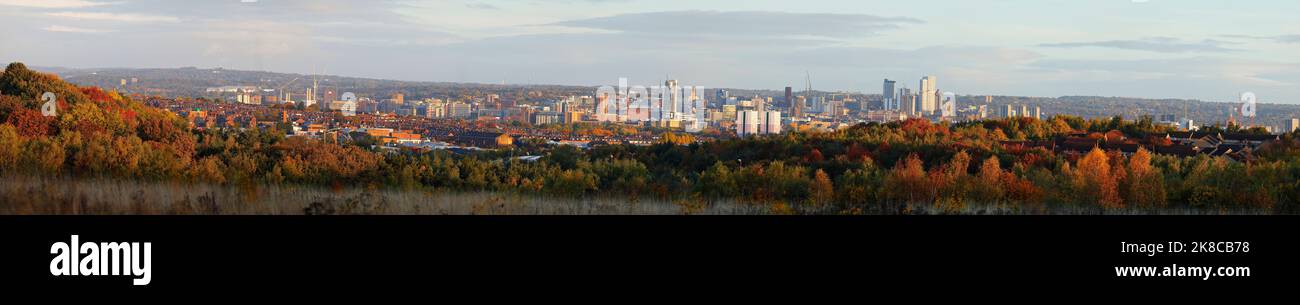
{"x":1159,"y":49}
{"x":775,"y":90}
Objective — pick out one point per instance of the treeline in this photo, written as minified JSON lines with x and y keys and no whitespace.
{"x":903,"y":167}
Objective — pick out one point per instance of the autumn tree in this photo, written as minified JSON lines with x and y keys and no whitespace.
{"x":11,"y":147}
{"x":1146,"y":185}
{"x":907,"y":181}
{"x":990,"y":180}
{"x":19,"y":81}
{"x":209,"y":169}
{"x":814,"y":156}
{"x":1096,"y":182}
{"x":31,"y":123}
{"x":823,"y":190}
{"x":43,"y":155}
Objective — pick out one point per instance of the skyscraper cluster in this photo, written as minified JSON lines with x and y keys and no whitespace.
{"x":670,"y":105}
{"x":928,"y":100}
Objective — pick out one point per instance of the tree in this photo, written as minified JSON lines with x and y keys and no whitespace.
{"x":823,"y":190}
{"x":859,"y":188}
{"x":906,"y":182}
{"x":1146,"y":187}
{"x":990,"y":180}
{"x":43,"y":155}
{"x":571,"y":183}
{"x":11,"y":147}
{"x":814,"y":156}
{"x":31,"y":123}
{"x":1096,"y":182}
{"x":951,"y":180}
{"x":716,"y":182}
{"x":17,"y":80}
{"x":209,"y":169}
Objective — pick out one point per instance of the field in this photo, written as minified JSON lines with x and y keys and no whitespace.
{"x":27,"y":195}
{"x":24,"y":195}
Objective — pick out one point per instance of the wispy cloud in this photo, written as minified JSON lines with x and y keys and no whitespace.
{"x":1279,"y":38}
{"x":745,"y":23}
{"x":482,"y":6}
{"x":1152,"y":44}
{"x":115,"y":17}
{"x":55,"y":3}
{"x":71,"y":29}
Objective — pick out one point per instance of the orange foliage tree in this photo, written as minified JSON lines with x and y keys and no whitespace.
{"x":1096,"y":182}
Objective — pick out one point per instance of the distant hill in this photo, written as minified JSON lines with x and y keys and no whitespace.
{"x":192,"y":82}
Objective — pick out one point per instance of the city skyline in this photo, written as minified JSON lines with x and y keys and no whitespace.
{"x":1019,"y":48}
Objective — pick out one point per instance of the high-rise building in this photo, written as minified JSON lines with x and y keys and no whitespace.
{"x":747,"y":122}
{"x":310,"y":99}
{"x":907,"y":102}
{"x":1024,"y":111}
{"x":789,"y":95}
{"x":330,"y":97}
{"x":721,"y":95}
{"x":672,"y":100}
{"x":835,"y":109}
{"x":1187,"y":124}
{"x":459,"y":110}
{"x":435,"y":109}
{"x":1009,"y":111}
{"x":772,"y":122}
{"x":1292,"y":125}
{"x":889,"y":96}
{"x":929,"y":94}
{"x":948,"y":105}
{"x":399,"y":98}
{"x":754,"y":122}
{"x":796,"y":108}
{"x":938,"y":101}
{"x":572,"y":116}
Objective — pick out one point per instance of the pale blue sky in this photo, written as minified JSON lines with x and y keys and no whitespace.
{"x":1203,"y":49}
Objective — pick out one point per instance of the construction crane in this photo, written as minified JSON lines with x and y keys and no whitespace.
{"x":280,"y":90}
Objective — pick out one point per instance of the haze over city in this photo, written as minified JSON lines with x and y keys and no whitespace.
{"x":1198,"y":49}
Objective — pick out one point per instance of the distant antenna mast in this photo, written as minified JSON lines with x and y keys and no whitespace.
{"x":808,"y":84}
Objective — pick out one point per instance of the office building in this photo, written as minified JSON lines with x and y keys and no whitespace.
{"x":929,"y":92}
{"x":889,"y":96}
{"x":753,"y":122}
{"x":459,"y":110}
{"x":907,"y":102}
{"x":789,"y":96}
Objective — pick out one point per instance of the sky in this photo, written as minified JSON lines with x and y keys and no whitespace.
{"x":1199,"y":49}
